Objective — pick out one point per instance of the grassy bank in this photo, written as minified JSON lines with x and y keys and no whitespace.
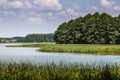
{"x":72,"y":48}
{"x":75,"y":48}
{"x":23,"y":71}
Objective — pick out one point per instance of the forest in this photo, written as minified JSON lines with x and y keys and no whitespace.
{"x":30,"y":38}
{"x":91,"y":29}
{"x":37,"y":38}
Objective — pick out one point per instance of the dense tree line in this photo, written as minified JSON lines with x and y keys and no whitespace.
{"x":91,"y":29}
{"x":29,"y":38}
{"x":7,"y":40}
{"x":37,"y":38}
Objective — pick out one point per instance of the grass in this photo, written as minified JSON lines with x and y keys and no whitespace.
{"x":29,"y":71}
{"x":75,"y":48}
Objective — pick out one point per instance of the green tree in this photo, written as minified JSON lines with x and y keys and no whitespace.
{"x":91,"y":29}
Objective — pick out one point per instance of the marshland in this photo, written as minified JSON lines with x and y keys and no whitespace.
{"x":86,"y":48}
{"x":74,"y":48}
{"x":29,"y":71}
{"x":22,"y":61}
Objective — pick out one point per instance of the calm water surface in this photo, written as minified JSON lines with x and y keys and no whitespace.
{"x":33,"y":56}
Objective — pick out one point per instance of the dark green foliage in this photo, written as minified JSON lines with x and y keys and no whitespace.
{"x":38,"y":38}
{"x":7,"y":40}
{"x":28,"y":71}
{"x":30,"y":38}
{"x":91,"y":29}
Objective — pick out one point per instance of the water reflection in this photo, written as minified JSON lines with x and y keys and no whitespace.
{"x":32,"y":55}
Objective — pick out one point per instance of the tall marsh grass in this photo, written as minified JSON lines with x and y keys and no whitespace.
{"x":23,"y":71}
{"x":76,"y":48}
{"x":87,"y":49}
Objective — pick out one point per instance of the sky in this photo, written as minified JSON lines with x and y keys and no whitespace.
{"x":22,"y":17}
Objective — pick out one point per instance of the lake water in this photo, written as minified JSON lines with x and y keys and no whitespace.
{"x":18,"y":54}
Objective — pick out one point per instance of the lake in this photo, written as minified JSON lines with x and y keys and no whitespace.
{"x":19,"y":54}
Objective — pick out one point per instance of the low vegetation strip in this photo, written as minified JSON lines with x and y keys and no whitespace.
{"x":29,"y":71}
{"x":75,"y":48}
{"x":88,"y":49}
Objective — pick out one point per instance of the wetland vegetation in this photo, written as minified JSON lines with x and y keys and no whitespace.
{"x":29,"y":71}
{"x":75,"y":48}
{"x":92,"y":34}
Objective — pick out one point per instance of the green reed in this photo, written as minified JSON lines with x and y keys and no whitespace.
{"x":75,"y":48}
{"x":29,"y":71}
{"x":86,"y":48}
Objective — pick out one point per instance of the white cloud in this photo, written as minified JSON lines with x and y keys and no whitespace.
{"x":110,"y":4}
{"x":48,"y":4}
{"x":117,"y":8}
{"x":3,"y":1}
{"x":75,"y":7}
{"x":42,"y":5}
{"x":23,"y":16}
{"x":106,"y":3}
{"x":1,"y":20}
{"x":94,"y":8}
{"x":32,"y":13}
{"x":16,"y":4}
{"x":28,"y":4}
{"x":8,"y":13}
{"x":5,"y":4}
{"x":34,"y":20}
{"x":50,"y":14}
{"x":73,"y":11}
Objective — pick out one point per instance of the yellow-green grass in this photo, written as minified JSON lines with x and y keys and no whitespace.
{"x":29,"y":44}
{"x":29,"y":71}
{"x":88,"y":49}
{"x":75,"y":48}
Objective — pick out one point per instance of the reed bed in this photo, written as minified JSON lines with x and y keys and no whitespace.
{"x":29,"y":71}
{"x":80,"y":48}
{"x":75,"y":48}
{"x":30,"y":45}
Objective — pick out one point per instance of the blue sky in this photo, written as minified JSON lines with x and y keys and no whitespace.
{"x":22,"y":17}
